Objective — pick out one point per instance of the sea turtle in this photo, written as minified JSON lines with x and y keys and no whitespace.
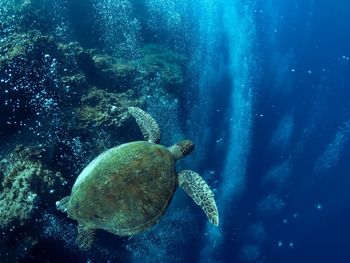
{"x":126,"y":189}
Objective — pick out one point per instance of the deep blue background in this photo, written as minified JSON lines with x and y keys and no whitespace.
{"x":319,"y":36}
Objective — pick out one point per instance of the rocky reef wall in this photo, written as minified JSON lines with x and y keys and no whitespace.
{"x":63,"y":100}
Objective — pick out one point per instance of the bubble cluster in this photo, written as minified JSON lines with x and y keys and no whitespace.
{"x":121,"y":29}
{"x":250,"y":253}
{"x":278,"y":175}
{"x":161,"y":243}
{"x":281,"y":137}
{"x":334,"y":150}
{"x":166,"y":14}
{"x":56,"y":228}
{"x":30,"y":93}
{"x":271,"y":205}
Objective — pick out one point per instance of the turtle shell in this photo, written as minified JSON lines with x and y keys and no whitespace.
{"x":124,"y":190}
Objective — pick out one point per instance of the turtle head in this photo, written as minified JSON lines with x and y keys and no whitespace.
{"x":181,"y":149}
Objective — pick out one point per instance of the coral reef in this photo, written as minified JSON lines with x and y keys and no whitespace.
{"x":102,"y":117}
{"x":162,"y":63}
{"x":62,"y":102}
{"x":100,"y":108}
{"x":27,"y":188}
{"x":114,"y":74}
{"x":25,"y":183}
{"x":40,"y":75}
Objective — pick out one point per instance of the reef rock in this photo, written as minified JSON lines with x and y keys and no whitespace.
{"x":166,"y":65}
{"x":27,"y":188}
{"x":102,"y":117}
{"x":115,"y":74}
{"x":26,"y":185}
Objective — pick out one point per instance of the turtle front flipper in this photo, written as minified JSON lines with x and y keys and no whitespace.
{"x":149,"y":127}
{"x":195,"y":186}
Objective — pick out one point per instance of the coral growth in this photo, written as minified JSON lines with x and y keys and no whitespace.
{"x":167,"y":65}
{"x":104,"y":109}
{"x":25,"y":186}
{"x":114,"y":74}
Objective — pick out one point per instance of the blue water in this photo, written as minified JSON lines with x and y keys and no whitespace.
{"x":267,"y":104}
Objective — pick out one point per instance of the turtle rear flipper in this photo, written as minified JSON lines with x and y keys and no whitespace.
{"x":85,"y":237}
{"x":149,"y":127}
{"x":195,"y":186}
